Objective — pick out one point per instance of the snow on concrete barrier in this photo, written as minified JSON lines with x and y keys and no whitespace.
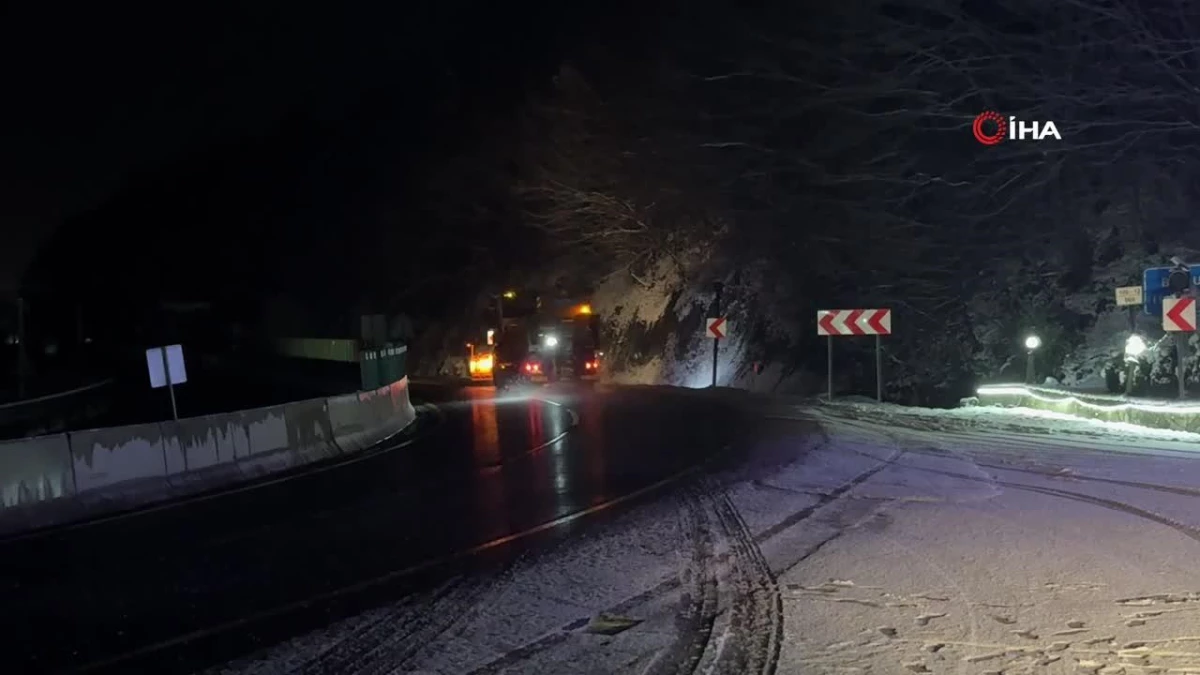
{"x":37,"y":483}
{"x":1175,"y":415}
{"x":35,"y":470}
{"x":119,"y":465}
{"x":267,"y":450}
{"x":201,"y":452}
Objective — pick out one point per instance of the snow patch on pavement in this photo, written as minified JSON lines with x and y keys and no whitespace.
{"x":899,"y":540}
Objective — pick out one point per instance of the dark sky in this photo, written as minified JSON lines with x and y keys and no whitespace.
{"x":93,"y":94}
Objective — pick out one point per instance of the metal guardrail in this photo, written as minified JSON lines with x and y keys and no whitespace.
{"x":54,"y":412}
{"x":55,"y":396}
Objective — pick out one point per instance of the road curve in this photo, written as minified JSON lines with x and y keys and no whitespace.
{"x":179,"y":588}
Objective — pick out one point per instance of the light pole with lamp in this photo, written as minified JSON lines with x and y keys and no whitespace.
{"x":1032,"y":343}
{"x":1135,"y":346}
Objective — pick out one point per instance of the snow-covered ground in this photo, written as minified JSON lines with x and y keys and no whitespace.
{"x":855,"y":538}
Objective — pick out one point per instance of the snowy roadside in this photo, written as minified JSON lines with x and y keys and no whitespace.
{"x":887,"y":539}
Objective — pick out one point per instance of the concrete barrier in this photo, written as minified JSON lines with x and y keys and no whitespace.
{"x":309,"y":435}
{"x":402,"y":411}
{"x":1175,"y":415}
{"x":350,"y":427}
{"x":56,"y":479}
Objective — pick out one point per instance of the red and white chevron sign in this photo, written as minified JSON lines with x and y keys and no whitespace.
{"x":854,"y":322}
{"x":1179,"y":314}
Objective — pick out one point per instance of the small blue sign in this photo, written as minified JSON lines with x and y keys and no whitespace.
{"x":1155,"y":288}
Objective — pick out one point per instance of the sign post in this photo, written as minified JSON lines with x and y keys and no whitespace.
{"x":829,"y":368}
{"x":1130,"y":297}
{"x":715,"y":325}
{"x":878,"y":368}
{"x":716,"y":328}
{"x":1179,"y":317}
{"x":167,"y":370}
{"x":877,"y":322}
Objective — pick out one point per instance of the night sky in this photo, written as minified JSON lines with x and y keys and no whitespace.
{"x":263,"y":121}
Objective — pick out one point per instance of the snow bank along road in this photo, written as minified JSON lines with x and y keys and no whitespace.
{"x":838,"y":539}
{"x":176,"y":589}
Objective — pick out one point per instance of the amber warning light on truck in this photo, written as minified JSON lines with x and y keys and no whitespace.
{"x":990,"y":127}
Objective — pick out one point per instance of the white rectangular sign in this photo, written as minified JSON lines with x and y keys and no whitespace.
{"x":166,"y":371}
{"x":1128,"y":296}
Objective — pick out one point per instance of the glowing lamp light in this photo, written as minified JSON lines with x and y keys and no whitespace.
{"x":509,"y":295}
{"x":482,"y":365}
{"x":1033,"y":342}
{"x":585,"y":309}
{"x":551,"y":341}
{"x":1135,"y":346}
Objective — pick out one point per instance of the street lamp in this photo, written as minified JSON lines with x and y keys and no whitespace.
{"x":1032,"y":343}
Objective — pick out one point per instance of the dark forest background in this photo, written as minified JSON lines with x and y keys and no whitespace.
{"x":437,"y":154}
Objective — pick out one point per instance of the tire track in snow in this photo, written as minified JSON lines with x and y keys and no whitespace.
{"x":999,"y":440}
{"x":1187,"y":530}
{"x":757,"y":624}
{"x":1111,"y":504}
{"x":390,"y":641}
{"x":700,"y":602}
{"x":391,"y":645}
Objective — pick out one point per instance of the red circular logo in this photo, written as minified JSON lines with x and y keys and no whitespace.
{"x":992,"y":138}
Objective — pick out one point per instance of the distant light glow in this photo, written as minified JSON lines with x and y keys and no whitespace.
{"x":509,"y":295}
{"x":482,"y":365}
{"x":1135,"y":346}
{"x":1033,"y":342}
{"x":551,"y":341}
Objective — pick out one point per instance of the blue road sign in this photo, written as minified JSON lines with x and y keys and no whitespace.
{"x":1154,"y":287}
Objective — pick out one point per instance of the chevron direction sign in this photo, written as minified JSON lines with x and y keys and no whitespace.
{"x":854,"y":322}
{"x":1179,"y":314}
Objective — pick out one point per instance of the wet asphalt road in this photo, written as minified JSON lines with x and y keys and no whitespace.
{"x":177,"y":589}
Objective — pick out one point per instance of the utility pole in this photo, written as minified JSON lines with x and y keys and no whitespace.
{"x":716,"y":311}
{"x":879,"y":368}
{"x":1179,"y":282}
